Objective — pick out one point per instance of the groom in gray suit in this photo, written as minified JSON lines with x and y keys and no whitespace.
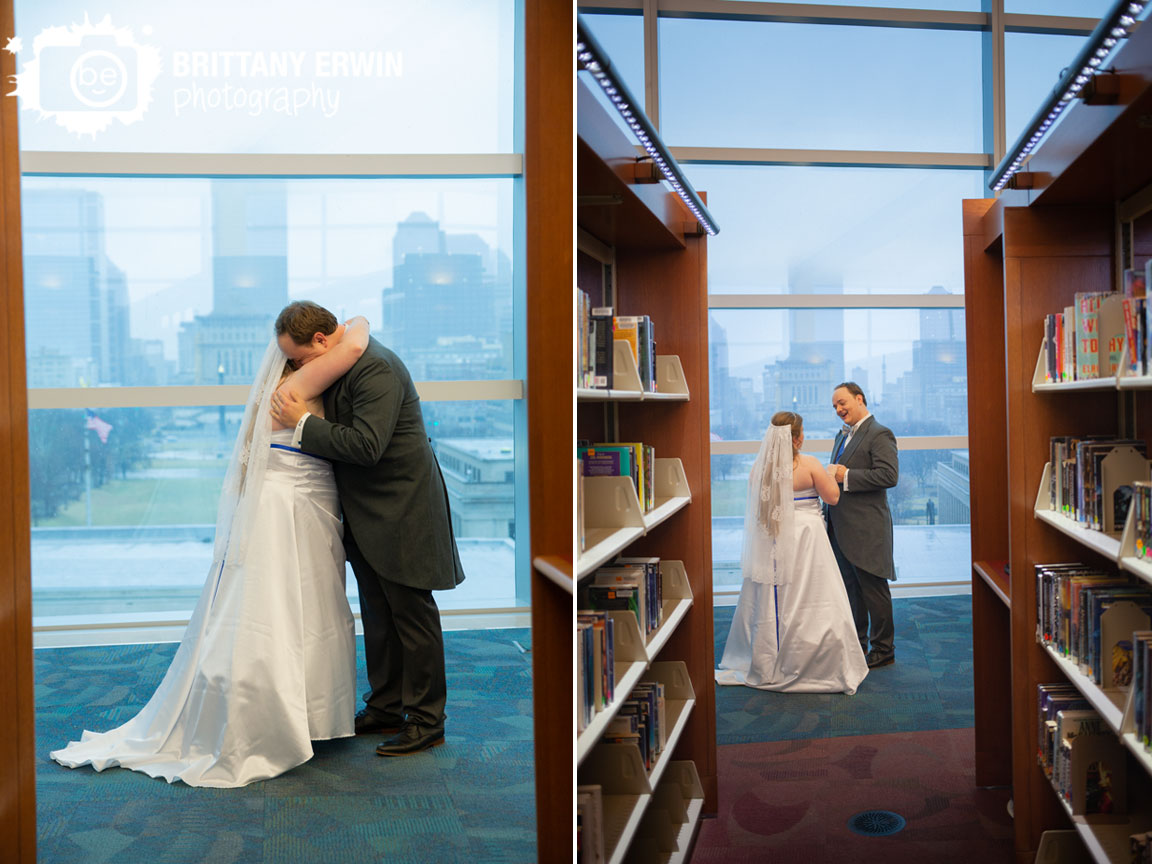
{"x":397,"y":526}
{"x":866,"y":465}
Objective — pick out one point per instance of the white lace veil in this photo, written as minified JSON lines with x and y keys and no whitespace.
{"x":241,"y":493}
{"x":769,"y":515}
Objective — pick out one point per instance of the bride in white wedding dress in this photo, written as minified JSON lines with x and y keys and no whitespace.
{"x":793,"y":628}
{"x":268,"y":661}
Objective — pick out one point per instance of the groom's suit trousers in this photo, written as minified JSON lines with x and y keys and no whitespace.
{"x":403,"y":646}
{"x":871,"y":602}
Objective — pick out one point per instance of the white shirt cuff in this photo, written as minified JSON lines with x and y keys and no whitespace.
{"x":299,"y":433}
{"x":845,"y":475}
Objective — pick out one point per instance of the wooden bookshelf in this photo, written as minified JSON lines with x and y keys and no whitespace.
{"x":1026,"y":254}
{"x":548,"y":257}
{"x":641,"y":252}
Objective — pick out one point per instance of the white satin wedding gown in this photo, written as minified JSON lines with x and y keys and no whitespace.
{"x":797,"y":636}
{"x":268,"y":662}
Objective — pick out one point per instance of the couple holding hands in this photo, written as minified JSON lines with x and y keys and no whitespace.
{"x":815,"y":592}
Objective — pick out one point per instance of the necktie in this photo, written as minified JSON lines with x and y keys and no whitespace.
{"x":847,"y":433}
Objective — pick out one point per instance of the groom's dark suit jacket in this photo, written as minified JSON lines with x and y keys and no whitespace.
{"x":391,"y":489}
{"x":861,"y":520}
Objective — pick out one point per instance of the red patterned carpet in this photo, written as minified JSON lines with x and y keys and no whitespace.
{"x":791,"y":801}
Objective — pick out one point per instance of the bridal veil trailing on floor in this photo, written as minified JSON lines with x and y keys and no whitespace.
{"x":267,"y":663}
{"x":793,"y":628}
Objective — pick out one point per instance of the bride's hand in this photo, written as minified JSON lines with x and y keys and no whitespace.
{"x":287,"y":408}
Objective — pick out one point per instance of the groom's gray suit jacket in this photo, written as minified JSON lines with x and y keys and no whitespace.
{"x":862,"y":520}
{"x":391,"y":489}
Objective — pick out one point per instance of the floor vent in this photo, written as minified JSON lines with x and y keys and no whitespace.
{"x":876,"y":823}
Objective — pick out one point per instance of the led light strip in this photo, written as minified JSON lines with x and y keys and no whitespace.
{"x":590,"y":56}
{"x":1113,"y":27}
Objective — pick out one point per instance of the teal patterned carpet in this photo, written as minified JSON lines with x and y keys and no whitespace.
{"x":471,"y":800}
{"x":928,"y":688}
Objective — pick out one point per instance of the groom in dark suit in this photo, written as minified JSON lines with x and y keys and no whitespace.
{"x":866,"y":465}
{"x":397,"y":526}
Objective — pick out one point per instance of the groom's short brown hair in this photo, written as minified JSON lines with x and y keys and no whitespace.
{"x":853,"y":388}
{"x":303,"y":319}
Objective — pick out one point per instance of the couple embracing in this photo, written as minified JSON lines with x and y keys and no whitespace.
{"x":815,"y":592}
{"x":331,"y":462}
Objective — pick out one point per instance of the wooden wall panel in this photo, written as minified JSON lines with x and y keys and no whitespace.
{"x":988,"y":466}
{"x":17,"y":730}
{"x":549,"y":38}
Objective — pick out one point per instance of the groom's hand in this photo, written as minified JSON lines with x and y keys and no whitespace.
{"x":287,"y":408}
{"x":836,"y":472}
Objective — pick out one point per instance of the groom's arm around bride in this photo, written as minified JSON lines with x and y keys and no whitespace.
{"x":397,"y":525}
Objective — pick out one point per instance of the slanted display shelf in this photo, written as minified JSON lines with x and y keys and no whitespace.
{"x":634,"y":654}
{"x":615,"y":508}
{"x":1120,"y":548}
{"x":671,"y":385}
{"x":995,"y":574}
{"x":1122,"y":381}
{"x":1105,"y":837}
{"x":629,"y":789}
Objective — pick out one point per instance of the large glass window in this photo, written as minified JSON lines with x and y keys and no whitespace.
{"x":622,"y":37}
{"x":911,"y":364}
{"x":123,"y":522}
{"x":1033,"y":63}
{"x":756,"y":84}
{"x":811,"y":230}
{"x":170,"y":281}
{"x":267,"y":77}
{"x":930,"y":516}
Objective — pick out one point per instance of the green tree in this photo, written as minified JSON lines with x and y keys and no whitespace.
{"x":55,"y":460}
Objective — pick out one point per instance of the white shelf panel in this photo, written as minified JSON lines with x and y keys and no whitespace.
{"x":1109,"y":704}
{"x":584,"y":394}
{"x":677,"y":601}
{"x":1143,"y":757}
{"x":672,"y":492}
{"x":622,"y":815}
{"x":1135,"y":382}
{"x":1106,"y":544}
{"x":677,"y":713}
{"x":1091,"y":384}
{"x":628,"y":674}
{"x":604,"y":544}
{"x":695,"y":808}
{"x":1141,"y":568}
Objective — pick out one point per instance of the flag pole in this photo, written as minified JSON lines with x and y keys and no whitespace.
{"x":88,"y":478}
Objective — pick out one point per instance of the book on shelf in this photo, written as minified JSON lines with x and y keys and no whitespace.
{"x":1142,"y":518}
{"x":585,"y":340}
{"x":581,"y":531}
{"x":637,"y":332}
{"x":1050,"y":699}
{"x":595,"y":665}
{"x":632,"y":584}
{"x":654,"y":587}
{"x":1091,"y":478}
{"x":1134,"y":360}
{"x":1090,"y":773}
{"x":1068,"y":355}
{"x":1141,"y":686}
{"x":1087,"y":306}
{"x":610,"y":461}
{"x":1053,"y":347}
{"x":589,"y":824}
{"x":603,"y":346}
{"x":1134,"y":282}
{"x":624,"y":459}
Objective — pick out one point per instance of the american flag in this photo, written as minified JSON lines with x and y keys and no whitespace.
{"x":98,"y":426}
